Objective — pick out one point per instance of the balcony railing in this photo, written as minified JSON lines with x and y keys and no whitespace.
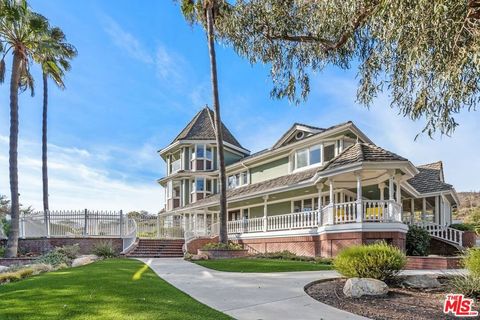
{"x":339,"y":213}
{"x":176,"y":165}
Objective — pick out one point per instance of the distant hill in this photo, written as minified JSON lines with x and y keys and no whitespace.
{"x":469,"y":206}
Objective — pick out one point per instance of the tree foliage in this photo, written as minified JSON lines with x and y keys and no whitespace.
{"x":424,"y":53}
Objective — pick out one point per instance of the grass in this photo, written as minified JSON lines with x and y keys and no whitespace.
{"x":111,"y":289}
{"x":261,"y":265}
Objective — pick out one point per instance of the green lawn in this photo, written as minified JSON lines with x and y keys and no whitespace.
{"x":262,"y":265}
{"x":114,"y":289}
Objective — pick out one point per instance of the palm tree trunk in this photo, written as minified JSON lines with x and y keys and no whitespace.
{"x":12,"y":245}
{"x":44,"y":145}
{"x":223,"y":237}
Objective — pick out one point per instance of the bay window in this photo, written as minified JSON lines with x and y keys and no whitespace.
{"x":202,"y":157}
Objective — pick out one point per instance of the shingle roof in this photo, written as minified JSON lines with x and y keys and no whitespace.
{"x":232,"y":194}
{"x":201,"y":127}
{"x":429,"y":179}
{"x":362,"y":152}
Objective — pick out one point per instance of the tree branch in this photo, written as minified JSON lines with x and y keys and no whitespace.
{"x":328,"y":45}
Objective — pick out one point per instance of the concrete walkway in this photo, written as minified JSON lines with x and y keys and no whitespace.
{"x":254,"y":295}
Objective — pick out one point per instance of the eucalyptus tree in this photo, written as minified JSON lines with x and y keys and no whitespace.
{"x":21,"y":33}
{"x":205,"y":12}
{"x":54,"y":58}
{"x":424,"y":53}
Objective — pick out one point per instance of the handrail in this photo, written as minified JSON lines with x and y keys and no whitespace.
{"x":130,"y":238}
{"x":443,"y":232}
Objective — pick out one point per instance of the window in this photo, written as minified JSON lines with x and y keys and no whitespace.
{"x":315,"y":155}
{"x":328,"y":152}
{"x":237,"y":180}
{"x":202,"y":157}
{"x":301,"y":158}
{"x":305,"y":205}
{"x":308,"y":157}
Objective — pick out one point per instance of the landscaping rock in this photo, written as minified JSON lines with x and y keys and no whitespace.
{"x":421,"y":282}
{"x":201,"y":256}
{"x":84,"y":260}
{"x":358,"y":287}
{"x":3,"y":269}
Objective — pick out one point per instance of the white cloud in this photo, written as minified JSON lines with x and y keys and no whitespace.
{"x":169,"y":66}
{"x":79,"y":179}
{"x":126,"y":41}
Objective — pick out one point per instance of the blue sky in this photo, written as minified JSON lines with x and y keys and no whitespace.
{"x":140,"y":76}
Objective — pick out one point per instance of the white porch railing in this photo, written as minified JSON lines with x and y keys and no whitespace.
{"x":340,"y":213}
{"x":445,"y":233}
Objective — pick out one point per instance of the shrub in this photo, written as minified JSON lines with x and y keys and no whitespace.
{"x":104,"y":249}
{"x":418,"y":241}
{"x":471,"y":260}
{"x":70,"y":251}
{"x":41,"y":268}
{"x":468,"y":285}
{"x":222,"y":246}
{"x":54,"y":258}
{"x":463,"y":226}
{"x":2,"y":251}
{"x":379,"y":261}
{"x":15,"y":275}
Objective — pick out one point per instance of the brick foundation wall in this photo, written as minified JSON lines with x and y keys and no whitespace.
{"x":41,"y":245}
{"x":6,"y":262}
{"x":325,"y":245}
{"x":198,"y":243}
{"x":469,"y":239}
{"x":433,"y":263}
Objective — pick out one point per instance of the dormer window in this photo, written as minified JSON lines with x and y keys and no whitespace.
{"x":308,"y":156}
{"x":202,"y":157}
{"x":328,"y":151}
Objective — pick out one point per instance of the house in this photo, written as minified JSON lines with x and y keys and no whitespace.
{"x":315,"y":191}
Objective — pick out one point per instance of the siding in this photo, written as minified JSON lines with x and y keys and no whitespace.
{"x":279,"y":208}
{"x":256,"y":212}
{"x":269,"y":170}
{"x":231,"y":157}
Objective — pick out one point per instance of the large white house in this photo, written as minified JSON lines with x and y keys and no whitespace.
{"x":315,"y":191}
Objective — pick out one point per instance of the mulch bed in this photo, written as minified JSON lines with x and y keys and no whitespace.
{"x":398,"y":304}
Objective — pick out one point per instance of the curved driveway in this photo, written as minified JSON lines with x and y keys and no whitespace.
{"x":250,"y":295}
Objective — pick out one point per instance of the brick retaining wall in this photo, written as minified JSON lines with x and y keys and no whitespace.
{"x":198,"y":243}
{"x":433,"y":263}
{"x":325,"y":245}
{"x":41,"y":245}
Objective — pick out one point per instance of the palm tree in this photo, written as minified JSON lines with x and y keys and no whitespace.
{"x":21,"y":32}
{"x":54,"y":58}
{"x":205,"y":10}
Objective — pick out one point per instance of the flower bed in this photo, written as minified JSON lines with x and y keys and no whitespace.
{"x":223,"y":253}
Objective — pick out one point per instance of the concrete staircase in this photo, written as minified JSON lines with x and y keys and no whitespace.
{"x":157,"y":248}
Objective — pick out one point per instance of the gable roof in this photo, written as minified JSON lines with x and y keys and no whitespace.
{"x":302,"y":127}
{"x":202,"y":127}
{"x":267,"y":185}
{"x":430,"y":179}
{"x":362,"y":152}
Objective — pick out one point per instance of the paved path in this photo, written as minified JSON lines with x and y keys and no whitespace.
{"x":253,"y":295}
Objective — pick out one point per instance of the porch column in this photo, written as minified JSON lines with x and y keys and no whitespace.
{"x":390,"y":197}
{"x":381,"y":187}
{"x":424,"y":208}
{"x":319,"y":218}
{"x":359,"y":197}
{"x":195,"y":223}
{"x":398,"y":179}
{"x":265,"y":220}
{"x":205,"y":221}
{"x":320,"y":188}
{"x":412,"y":210}
{"x":331,"y":213}
{"x":437,"y":210}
